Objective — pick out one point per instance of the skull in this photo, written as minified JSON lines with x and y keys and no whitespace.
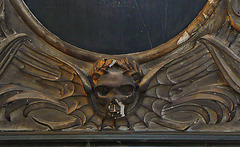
{"x":115,"y":93}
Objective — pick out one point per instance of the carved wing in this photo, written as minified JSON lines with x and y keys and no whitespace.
{"x":200,"y":86}
{"x":44,"y":84}
{"x":188,"y":90}
{"x":45,"y":88}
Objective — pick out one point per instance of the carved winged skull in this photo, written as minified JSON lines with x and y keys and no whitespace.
{"x":191,"y":84}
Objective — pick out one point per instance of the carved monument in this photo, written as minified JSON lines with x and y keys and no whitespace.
{"x":190,"y":83}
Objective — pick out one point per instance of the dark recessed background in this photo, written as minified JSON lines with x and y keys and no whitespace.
{"x":115,"y":26}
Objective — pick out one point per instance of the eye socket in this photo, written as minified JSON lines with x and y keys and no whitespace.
{"x":126,"y":89}
{"x":102,"y":90}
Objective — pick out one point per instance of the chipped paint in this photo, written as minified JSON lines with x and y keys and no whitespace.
{"x":211,"y":1}
{"x":184,"y":38}
{"x":122,"y":108}
{"x":205,"y":16}
{"x":113,"y":62}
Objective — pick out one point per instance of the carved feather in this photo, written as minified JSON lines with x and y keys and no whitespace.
{"x":8,"y":48}
{"x":192,"y":83}
{"x":48,"y":73}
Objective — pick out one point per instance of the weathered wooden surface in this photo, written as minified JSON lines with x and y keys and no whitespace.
{"x":190,"y":83}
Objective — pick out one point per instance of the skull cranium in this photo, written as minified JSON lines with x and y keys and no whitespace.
{"x":115,"y":93}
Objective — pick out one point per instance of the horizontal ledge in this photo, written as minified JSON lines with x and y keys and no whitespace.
{"x":113,"y":136}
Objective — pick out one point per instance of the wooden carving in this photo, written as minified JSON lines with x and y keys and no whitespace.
{"x":191,"y":83}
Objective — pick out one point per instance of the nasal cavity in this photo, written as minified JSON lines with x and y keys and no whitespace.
{"x":114,"y":107}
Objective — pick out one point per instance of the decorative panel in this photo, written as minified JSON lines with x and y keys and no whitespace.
{"x":188,"y":84}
